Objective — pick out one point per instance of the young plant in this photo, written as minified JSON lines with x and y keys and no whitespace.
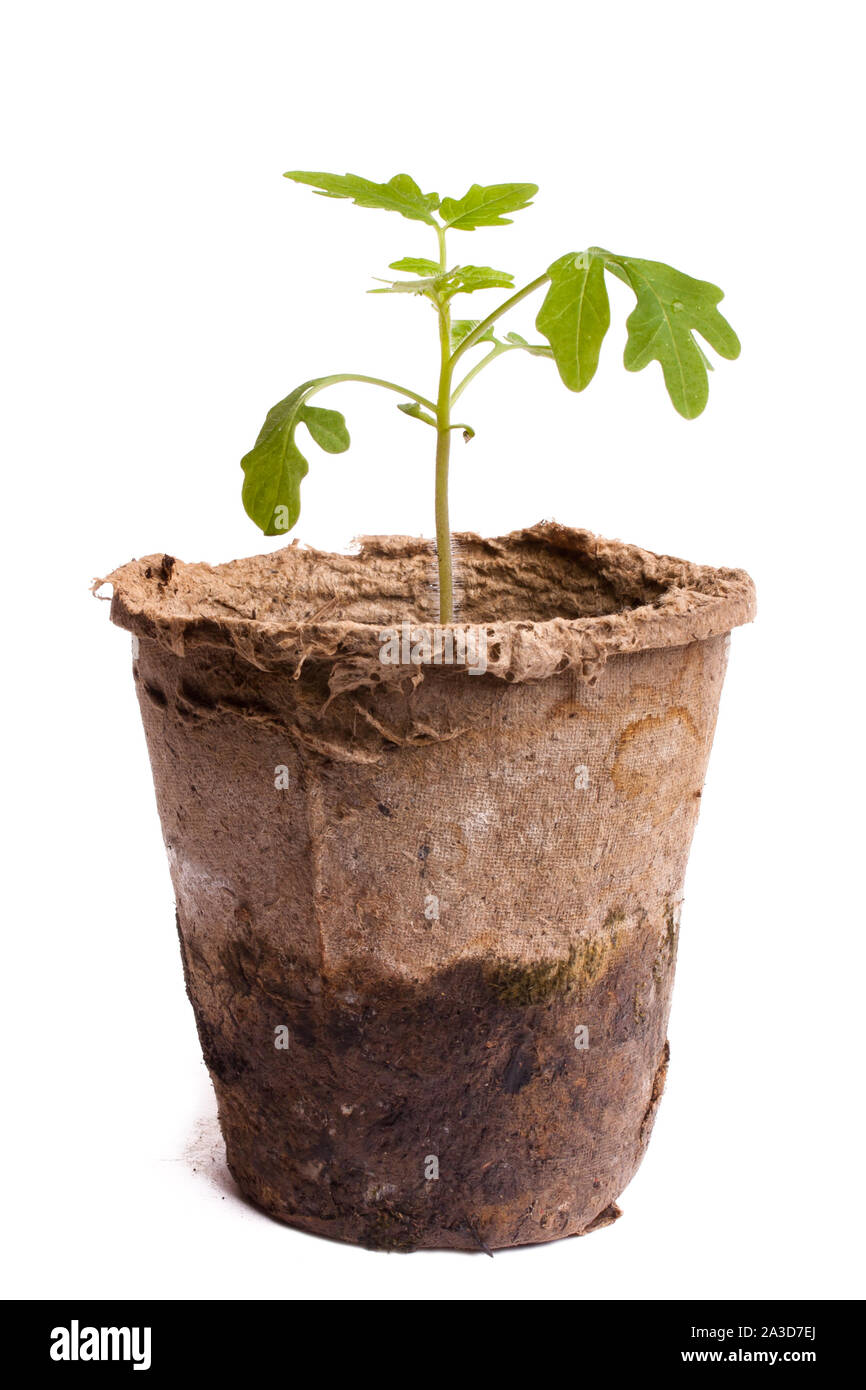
{"x":574,"y":317}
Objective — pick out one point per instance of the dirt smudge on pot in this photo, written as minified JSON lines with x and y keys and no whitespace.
{"x":532,"y":1138}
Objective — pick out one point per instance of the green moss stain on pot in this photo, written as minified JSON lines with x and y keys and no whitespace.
{"x":431,"y":961}
{"x":514,"y":983}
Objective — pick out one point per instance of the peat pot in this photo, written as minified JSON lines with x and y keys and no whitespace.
{"x":429,"y":880}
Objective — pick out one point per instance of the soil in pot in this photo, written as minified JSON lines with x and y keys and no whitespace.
{"x":429,"y":918}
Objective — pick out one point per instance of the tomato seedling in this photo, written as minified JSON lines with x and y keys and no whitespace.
{"x":575,"y":315}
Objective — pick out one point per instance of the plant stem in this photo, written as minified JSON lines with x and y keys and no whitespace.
{"x":444,"y":402}
{"x":443,"y":525}
{"x":443,"y":454}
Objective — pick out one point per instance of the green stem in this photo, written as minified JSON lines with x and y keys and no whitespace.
{"x":442,"y":410}
{"x":444,"y":402}
{"x":499,"y":349}
{"x":477,"y":333}
{"x":443,"y":454}
{"x":324,"y":381}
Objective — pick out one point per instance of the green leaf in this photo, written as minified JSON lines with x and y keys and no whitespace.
{"x":427,"y":286}
{"x":414,"y":409}
{"x":400,"y":194}
{"x":534,"y":349}
{"x":575,"y":316}
{"x":416,"y":265}
{"x":463,"y":279}
{"x":670,"y":308}
{"x":275,"y":466}
{"x":461,"y":328}
{"x":466,"y":279}
{"x":484,"y":207}
{"x":328,"y":428}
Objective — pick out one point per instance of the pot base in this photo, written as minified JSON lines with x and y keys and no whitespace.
{"x":496,"y":1104}
{"x":396,"y":1236}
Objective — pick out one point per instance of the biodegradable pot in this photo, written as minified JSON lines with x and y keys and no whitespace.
{"x":429,"y":919}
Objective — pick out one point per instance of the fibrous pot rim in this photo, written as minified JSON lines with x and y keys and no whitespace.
{"x":549,"y":598}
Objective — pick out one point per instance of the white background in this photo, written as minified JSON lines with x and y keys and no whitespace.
{"x":164,"y":286}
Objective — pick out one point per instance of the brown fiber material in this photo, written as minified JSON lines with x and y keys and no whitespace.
{"x":461,"y":873}
{"x":550,"y":597}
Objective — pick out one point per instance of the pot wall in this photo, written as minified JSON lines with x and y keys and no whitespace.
{"x":454,"y":881}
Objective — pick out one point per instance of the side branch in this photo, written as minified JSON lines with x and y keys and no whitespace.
{"x":373,"y":381}
{"x":477,"y":333}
